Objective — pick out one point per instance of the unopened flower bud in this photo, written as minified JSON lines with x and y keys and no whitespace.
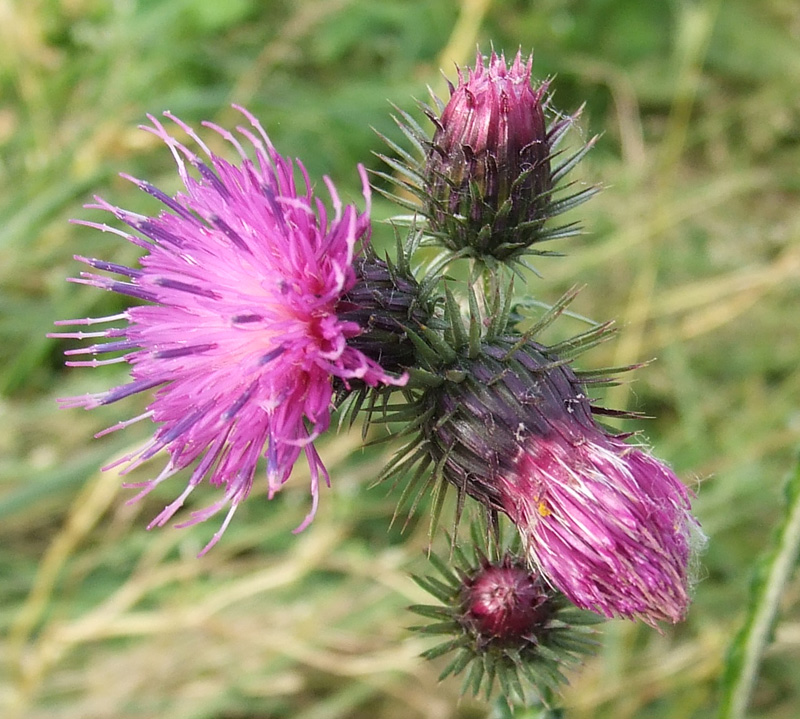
{"x":488,"y":175}
{"x":505,"y":601}
{"x":505,"y":623}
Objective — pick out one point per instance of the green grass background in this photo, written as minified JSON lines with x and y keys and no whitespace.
{"x":694,"y":247}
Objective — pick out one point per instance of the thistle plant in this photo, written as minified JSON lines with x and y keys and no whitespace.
{"x":265,"y":309}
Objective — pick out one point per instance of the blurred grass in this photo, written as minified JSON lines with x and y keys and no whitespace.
{"x":694,"y":247}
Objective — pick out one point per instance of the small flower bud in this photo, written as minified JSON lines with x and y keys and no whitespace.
{"x":488,"y":176}
{"x":504,"y":622}
{"x":492,"y":131}
{"x":505,"y":601}
{"x":488,"y":181}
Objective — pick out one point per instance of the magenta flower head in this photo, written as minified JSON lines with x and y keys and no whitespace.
{"x":487,"y":183}
{"x":602,"y":520}
{"x":239,"y":332}
{"x":605,"y":521}
{"x":505,"y":623}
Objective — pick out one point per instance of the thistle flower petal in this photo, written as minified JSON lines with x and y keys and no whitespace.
{"x":240,"y":336}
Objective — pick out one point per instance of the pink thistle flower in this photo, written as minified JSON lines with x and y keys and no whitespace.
{"x":240,"y":336}
{"x":602,"y":520}
{"x":607,"y":523}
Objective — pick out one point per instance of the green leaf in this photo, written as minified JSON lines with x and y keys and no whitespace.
{"x":441,"y":591}
{"x":443,"y":648}
{"x":572,"y":161}
{"x":458,"y":664}
{"x":429,"y":610}
{"x":453,"y":318}
{"x":771,"y":574}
